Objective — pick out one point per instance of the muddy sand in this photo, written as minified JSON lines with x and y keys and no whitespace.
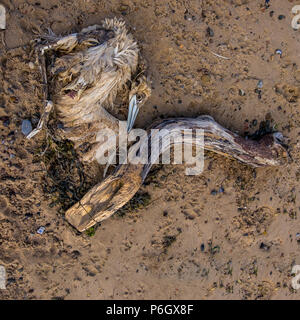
{"x":229,"y":233}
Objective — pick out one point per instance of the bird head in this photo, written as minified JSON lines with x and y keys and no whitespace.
{"x":138,"y":95}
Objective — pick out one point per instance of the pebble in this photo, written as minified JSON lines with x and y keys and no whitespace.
{"x":124,"y":9}
{"x":264,"y":246}
{"x":278,"y":51}
{"x":214,"y":192}
{"x":6,"y":121}
{"x":210,"y":32}
{"x":281,"y":17}
{"x":242,"y":92}
{"x":260,"y":84}
{"x":26,"y":127}
{"x":254,"y":122}
{"x":221,"y":190}
{"x":202,"y":247}
{"x":31,"y":65}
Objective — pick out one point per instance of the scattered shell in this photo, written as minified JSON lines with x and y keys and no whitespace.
{"x":26,"y":127}
{"x":2,"y":17}
{"x":31,"y":65}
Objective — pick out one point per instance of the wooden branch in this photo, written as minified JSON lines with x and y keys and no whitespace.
{"x":117,"y":189}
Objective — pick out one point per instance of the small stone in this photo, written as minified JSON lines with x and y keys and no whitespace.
{"x":26,"y":127}
{"x":31,"y":65}
{"x":188,"y":17}
{"x":124,"y":9}
{"x":278,"y":51}
{"x":202,"y":247}
{"x":221,"y":190}
{"x":214,"y":192}
{"x":75,"y":254}
{"x":6,"y":121}
{"x":254,"y":122}
{"x":210,"y":32}
{"x":264,"y":246}
{"x":260,"y":84}
{"x":242,"y":92}
{"x":281,"y":17}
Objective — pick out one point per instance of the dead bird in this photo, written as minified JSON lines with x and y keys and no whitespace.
{"x":84,"y":75}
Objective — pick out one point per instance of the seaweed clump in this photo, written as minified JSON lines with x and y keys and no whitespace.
{"x":67,"y":179}
{"x":139,"y":201}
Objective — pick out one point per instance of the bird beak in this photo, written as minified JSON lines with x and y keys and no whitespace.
{"x":132,"y":113}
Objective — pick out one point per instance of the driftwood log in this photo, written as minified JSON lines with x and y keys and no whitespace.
{"x":116,"y":190}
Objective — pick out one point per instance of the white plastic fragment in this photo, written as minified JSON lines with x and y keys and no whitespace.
{"x":2,"y":17}
{"x":41,"y":230}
